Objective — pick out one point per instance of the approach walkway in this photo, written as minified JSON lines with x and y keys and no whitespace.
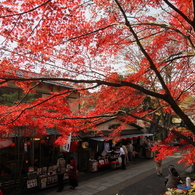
{"x":98,"y":185}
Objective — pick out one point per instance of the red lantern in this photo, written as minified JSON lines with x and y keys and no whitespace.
{"x":50,"y":87}
{"x":136,"y":137}
{"x":42,"y":141}
{"x":13,"y":144}
{"x":28,"y":143}
{"x":130,"y":138}
{"x":141,"y":136}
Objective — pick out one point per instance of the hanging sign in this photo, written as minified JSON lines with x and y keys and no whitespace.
{"x":66,"y":147}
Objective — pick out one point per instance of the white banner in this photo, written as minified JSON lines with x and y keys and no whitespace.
{"x":66,"y":147}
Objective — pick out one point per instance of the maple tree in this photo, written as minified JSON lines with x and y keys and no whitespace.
{"x":80,"y":43}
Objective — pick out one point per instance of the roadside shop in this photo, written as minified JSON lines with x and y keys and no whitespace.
{"x":31,"y":161}
{"x":107,"y":154}
{"x":104,"y":150}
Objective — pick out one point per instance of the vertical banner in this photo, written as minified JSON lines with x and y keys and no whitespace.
{"x":66,"y":147}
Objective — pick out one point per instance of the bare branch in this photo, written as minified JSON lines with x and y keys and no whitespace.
{"x":43,"y":101}
{"x":166,"y":128}
{"x":22,"y":13}
{"x":92,"y":32}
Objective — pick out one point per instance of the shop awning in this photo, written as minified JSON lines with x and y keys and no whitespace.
{"x":121,"y":137}
{"x":136,"y":135}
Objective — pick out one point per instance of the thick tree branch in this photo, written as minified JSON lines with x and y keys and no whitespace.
{"x":152,"y":65}
{"x":98,"y":82}
{"x":180,"y":13}
{"x":167,"y":97}
{"x":183,"y":137}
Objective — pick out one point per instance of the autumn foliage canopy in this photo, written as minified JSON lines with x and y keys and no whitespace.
{"x":115,"y":53}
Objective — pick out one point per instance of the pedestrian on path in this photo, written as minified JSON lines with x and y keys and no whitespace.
{"x":126,"y":154}
{"x":73,"y":176}
{"x":130,"y":151}
{"x":158,"y":163}
{"x":61,"y":164}
{"x":122,"y":155}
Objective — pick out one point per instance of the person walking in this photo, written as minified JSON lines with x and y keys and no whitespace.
{"x":61,"y":163}
{"x":126,"y":154}
{"x":158,"y":163}
{"x":122,"y":155}
{"x":144,"y":149}
{"x":130,"y":151}
{"x":73,"y":176}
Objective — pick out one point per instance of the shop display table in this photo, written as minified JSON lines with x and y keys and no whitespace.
{"x":135,"y":154}
{"x":114,"y":164}
{"x":44,"y":177}
{"x":103,"y":162}
{"x":45,"y":181}
{"x":93,"y":166}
